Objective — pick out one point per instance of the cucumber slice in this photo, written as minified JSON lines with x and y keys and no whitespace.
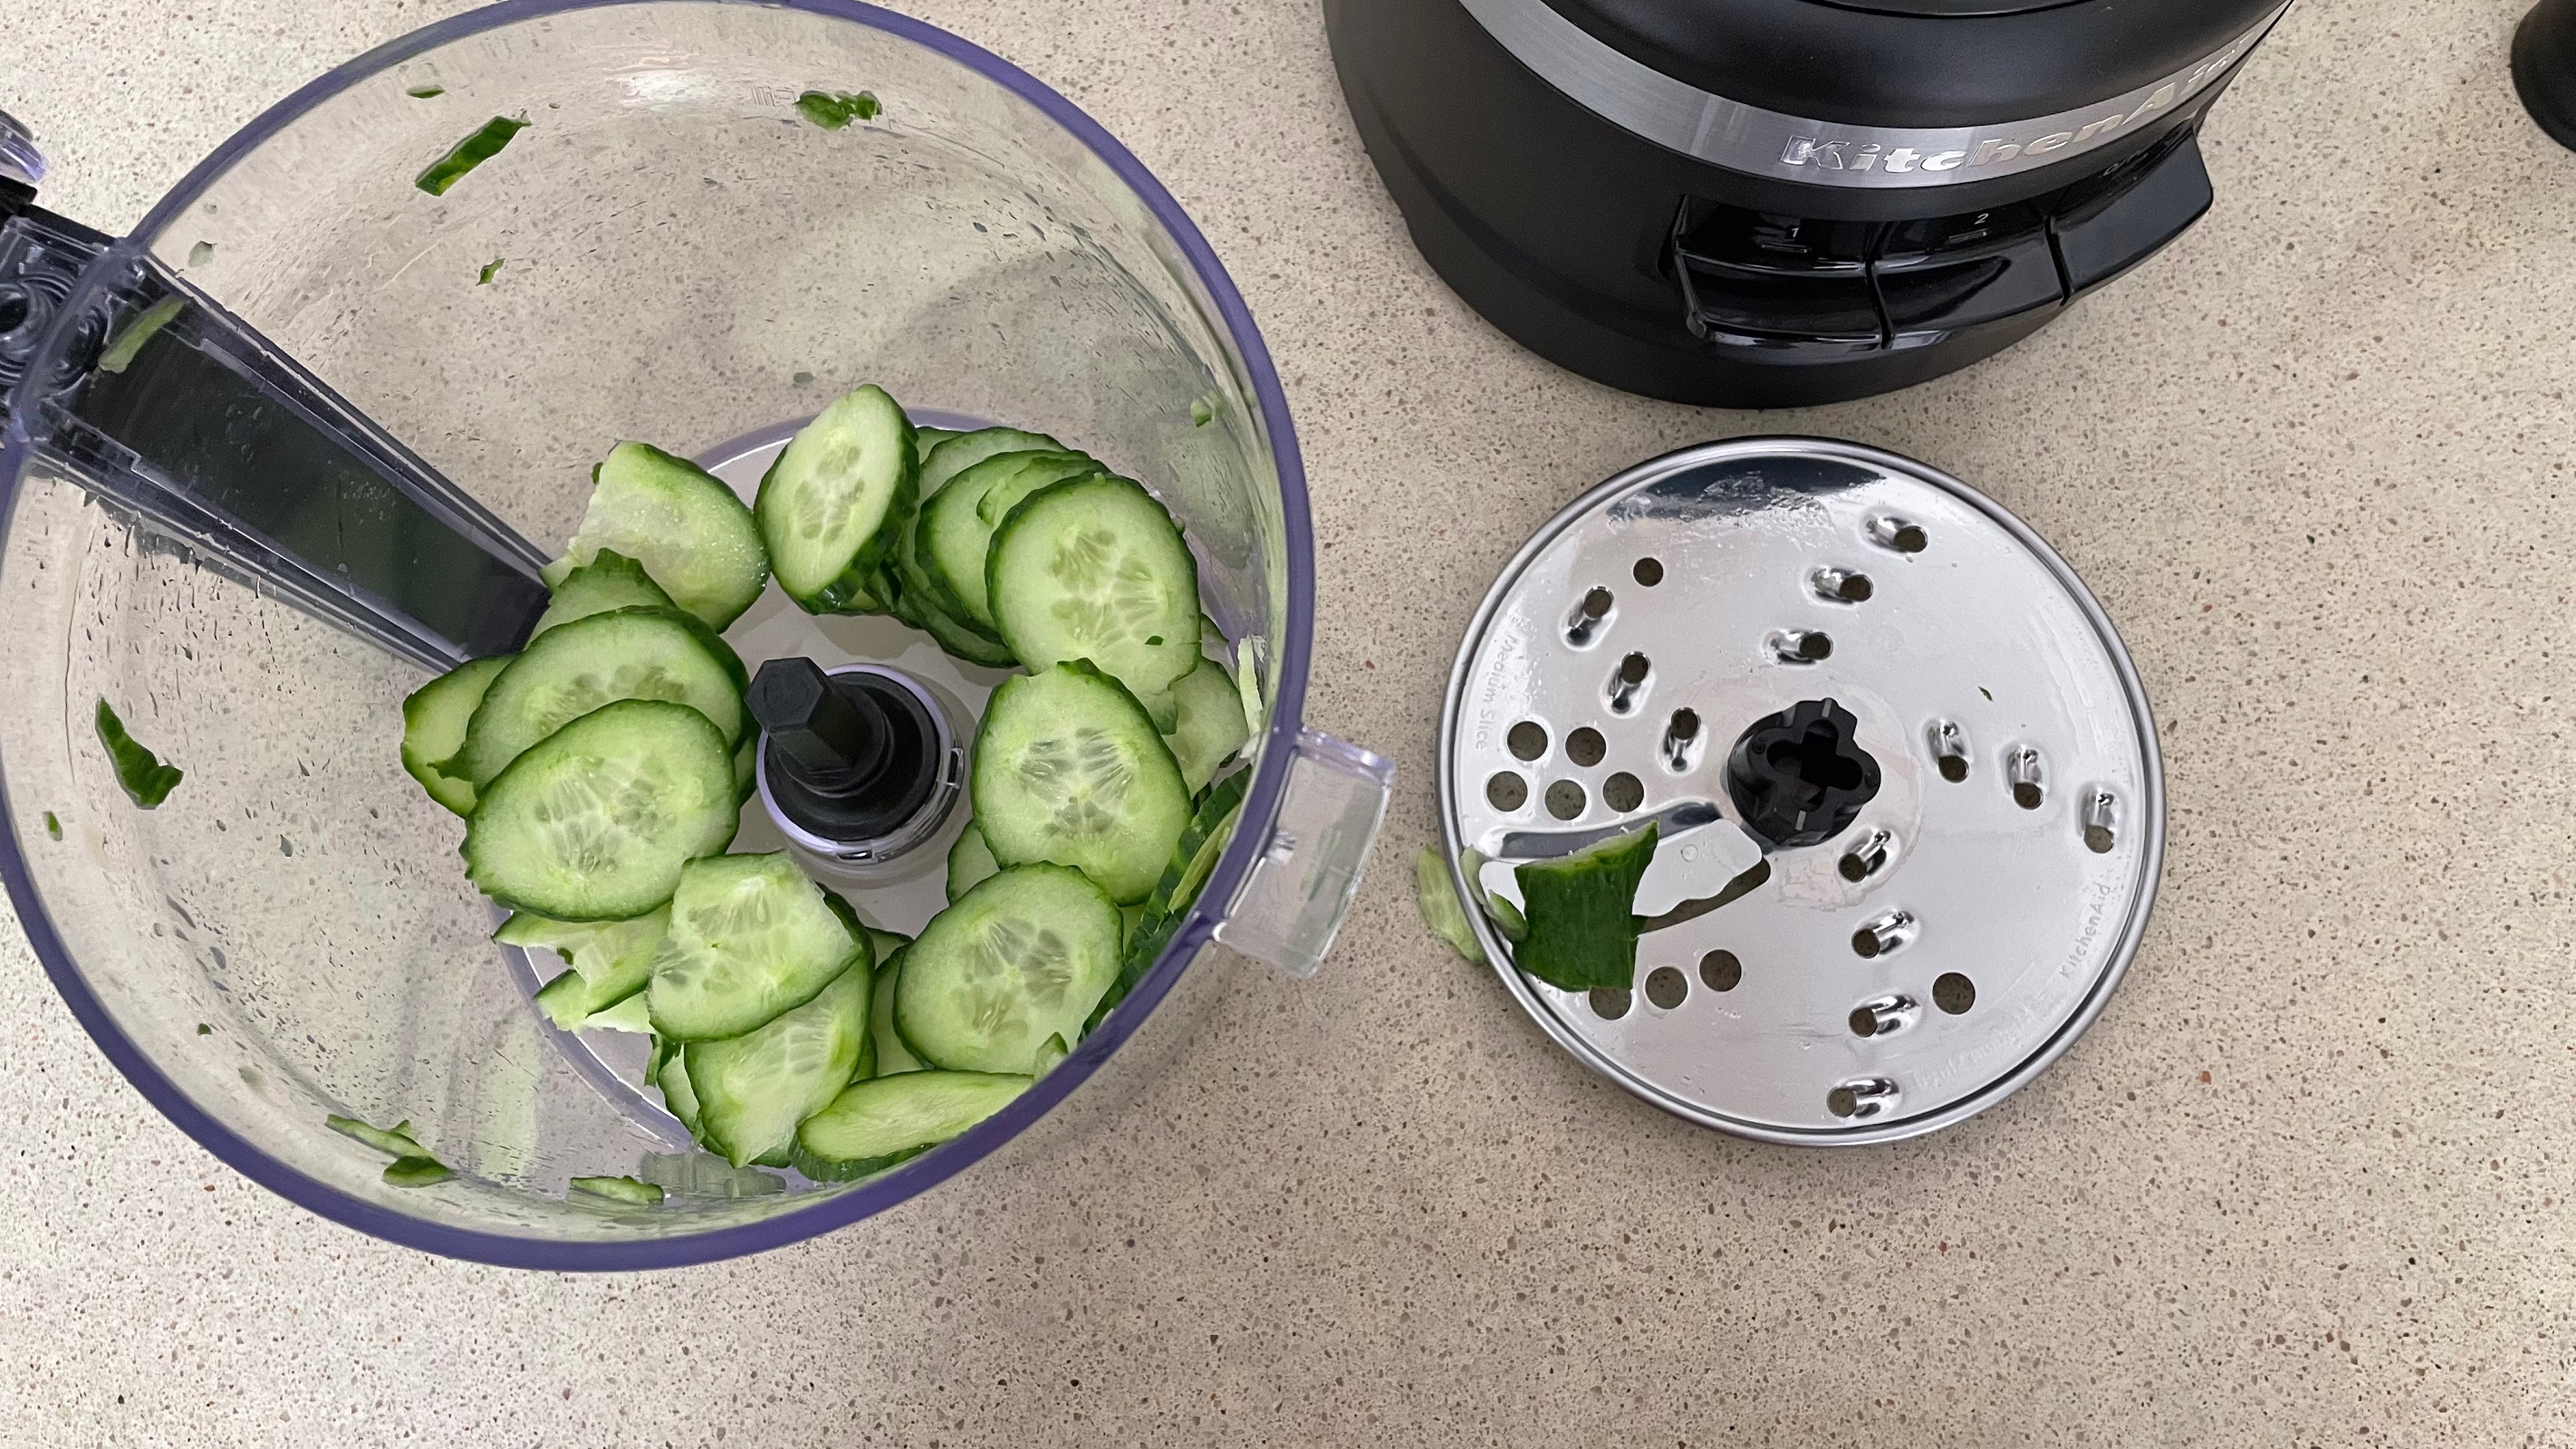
{"x":746,"y":766}
{"x":1068,"y":769}
{"x":1582,"y":925}
{"x":1209,"y":728}
{"x":954,"y":536}
{"x":677,"y":1094}
{"x":681,"y":523}
{"x":1194,"y":858}
{"x":621,"y":1189}
{"x":1020,"y":958}
{"x":970,"y":863}
{"x":961,"y":453}
{"x":831,"y":506}
{"x":658,"y":654}
{"x":965,"y":641}
{"x":750,"y":938}
{"x":892,"y":1055}
{"x":595,"y":822}
{"x":610,"y":580}
{"x":874,"y":1125}
{"x":1095,"y":569}
{"x":913,"y":578}
{"x":925,"y":439}
{"x":753,"y":1089}
{"x":434,"y":723}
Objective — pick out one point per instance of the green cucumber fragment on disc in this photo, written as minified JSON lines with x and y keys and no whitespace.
{"x":1094,"y":568}
{"x":874,"y":1125}
{"x":1069,"y":769}
{"x":394,"y":1141}
{"x":573,"y":669}
{"x":970,"y":862}
{"x":839,"y":495}
{"x":1208,"y":727}
{"x":956,"y":537}
{"x":688,"y":530}
{"x":1020,"y":958}
{"x":1438,"y":898}
{"x":892,"y":1055}
{"x":1581,"y":925}
{"x":746,"y":766}
{"x":596,"y":821}
{"x":754,"y":1089}
{"x":610,"y":580}
{"x":435,"y":717}
{"x":621,"y":1189}
{"x":750,"y":938}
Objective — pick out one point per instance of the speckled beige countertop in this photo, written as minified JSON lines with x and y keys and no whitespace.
{"x":2308,"y":1182}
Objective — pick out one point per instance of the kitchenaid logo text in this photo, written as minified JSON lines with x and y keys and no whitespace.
{"x":1848,"y":155}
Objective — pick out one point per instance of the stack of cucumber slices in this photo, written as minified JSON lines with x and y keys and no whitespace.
{"x":602,"y":770}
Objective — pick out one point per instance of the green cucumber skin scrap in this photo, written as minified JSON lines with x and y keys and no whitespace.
{"x":469,"y":153}
{"x":1582,"y":932}
{"x":147,"y":781}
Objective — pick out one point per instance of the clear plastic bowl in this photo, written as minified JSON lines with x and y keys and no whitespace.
{"x":684,"y":259}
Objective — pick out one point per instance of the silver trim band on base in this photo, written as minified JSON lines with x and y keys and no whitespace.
{"x":1682,"y":117}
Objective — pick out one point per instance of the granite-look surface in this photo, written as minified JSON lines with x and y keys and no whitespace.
{"x":2307,"y":1182}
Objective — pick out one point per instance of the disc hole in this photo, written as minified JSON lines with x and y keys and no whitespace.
{"x":1954,"y":768}
{"x":1648,"y":572}
{"x":1622,"y":792}
{"x":1585,"y":747}
{"x":1584,"y":624}
{"x":1665,"y":988}
{"x":1842,"y":1101}
{"x":1609,"y":1005}
{"x":1506,"y":791}
{"x":1954,"y":993}
{"x":1901,"y":534}
{"x":1528,"y":740}
{"x":1720,"y":971}
{"x":1628,"y":684}
{"x":1565,"y":799}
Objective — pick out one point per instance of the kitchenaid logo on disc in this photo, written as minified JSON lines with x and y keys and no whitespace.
{"x":1833,"y":154}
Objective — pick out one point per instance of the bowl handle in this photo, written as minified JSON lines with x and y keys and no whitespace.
{"x":1292,"y":902}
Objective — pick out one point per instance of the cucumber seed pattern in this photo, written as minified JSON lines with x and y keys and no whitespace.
{"x":596,"y":812}
{"x":1083,"y":780}
{"x":1110,"y":595}
{"x":1016,"y":977}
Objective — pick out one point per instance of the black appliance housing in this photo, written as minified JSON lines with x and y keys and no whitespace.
{"x":1772,"y":203}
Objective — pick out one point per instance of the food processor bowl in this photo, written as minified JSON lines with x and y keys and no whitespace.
{"x":672,"y":250}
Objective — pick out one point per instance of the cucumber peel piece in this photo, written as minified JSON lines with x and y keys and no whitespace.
{"x":621,"y":1189}
{"x":394,"y":1141}
{"x":1441,"y":911}
{"x":146,"y":781}
{"x":1582,"y":926}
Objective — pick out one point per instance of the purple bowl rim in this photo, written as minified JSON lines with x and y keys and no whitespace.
{"x":929,"y":1170}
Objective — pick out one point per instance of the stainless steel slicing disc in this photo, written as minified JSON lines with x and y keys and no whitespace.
{"x":1926,"y":959}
